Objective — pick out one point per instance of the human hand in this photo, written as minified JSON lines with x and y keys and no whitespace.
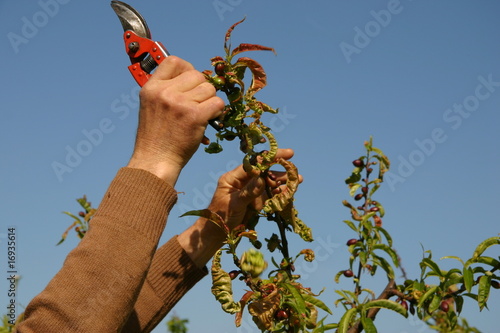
{"x":239,"y":195}
{"x":176,"y":104}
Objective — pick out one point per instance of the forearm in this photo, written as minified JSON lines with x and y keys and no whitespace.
{"x":171,"y":276}
{"x":201,"y":240}
{"x":100,"y":280}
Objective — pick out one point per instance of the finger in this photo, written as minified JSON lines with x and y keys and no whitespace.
{"x":202,"y":92}
{"x":285,"y":153}
{"x":170,"y":68}
{"x":212,"y":107}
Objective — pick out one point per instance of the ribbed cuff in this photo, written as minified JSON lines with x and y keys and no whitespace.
{"x":144,"y":198}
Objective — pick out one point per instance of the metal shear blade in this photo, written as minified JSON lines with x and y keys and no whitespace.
{"x":131,"y":19}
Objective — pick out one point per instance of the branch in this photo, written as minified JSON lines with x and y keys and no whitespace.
{"x":372,"y":313}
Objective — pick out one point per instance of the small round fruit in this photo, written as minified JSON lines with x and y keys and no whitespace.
{"x":219,"y":81}
{"x":364,"y":190}
{"x":233,"y":274}
{"x":348,"y":273}
{"x":369,"y":170}
{"x":351,"y":241}
{"x":358,"y":196}
{"x":220,"y":68}
{"x":495,"y":284}
{"x":358,"y":163}
{"x":82,"y":214}
{"x":281,"y":315}
{"x":444,"y":306}
{"x":404,"y":304}
{"x":374,"y":209}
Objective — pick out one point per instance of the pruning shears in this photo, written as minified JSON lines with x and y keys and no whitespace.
{"x":145,"y":54}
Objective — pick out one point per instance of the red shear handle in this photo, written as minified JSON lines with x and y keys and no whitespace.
{"x":144,"y":54}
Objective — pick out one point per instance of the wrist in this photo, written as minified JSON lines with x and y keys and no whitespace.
{"x":201,"y":241}
{"x":169,"y":172}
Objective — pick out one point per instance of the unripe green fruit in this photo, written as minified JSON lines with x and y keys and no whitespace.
{"x":219,"y":81}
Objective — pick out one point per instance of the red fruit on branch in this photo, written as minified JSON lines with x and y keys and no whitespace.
{"x":220,"y":69}
{"x":495,"y":284}
{"x":233,"y":274}
{"x":82,"y":214}
{"x":444,"y":306}
{"x":351,"y":241}
{"x":348,"y":273}
{"x":364,"y":190}
{"x":358,"y":196}
{"x":374,"y":209}
{"x":281,"y":315}
{"x":404,"y":304}
{"x":358,"y":163}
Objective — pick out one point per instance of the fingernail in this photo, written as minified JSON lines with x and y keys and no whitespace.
{"x":271,"y":176}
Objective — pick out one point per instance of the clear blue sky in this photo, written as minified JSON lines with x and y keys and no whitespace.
{"x":423,"y":80}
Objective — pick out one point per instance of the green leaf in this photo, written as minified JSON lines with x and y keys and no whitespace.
{"x":389,"y":251}
{"x":468,"y":278}
{"x":432,"y":265}
{"x":316,"y":302}
{"x":328,"y":327}
{"x":459,"y":302}
{"x":351,"y":225}
{"x":453,"y":257}
{"x":346,"y":320}
{"x":386,"y":235}
{"x":385,"y":266}
{"x":485,"y":245}
{"x":353,"y":189}
{"x":297,"y":297}
{"x":213,"y":148}
{"x":435,"y":302}
{"x":353,"y":178}
{"x":368,"y":325}
{"x":488,"y":261}
{"x":483,"y":291}
{"x":337,"y":276}
{"x":386,"y":304}
{"x":430,"y":292}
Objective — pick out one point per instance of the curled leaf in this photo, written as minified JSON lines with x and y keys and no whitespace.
{"x":259,"y":78}
{"x":228,"y":35}
{"x":263,"y":310}
{"x":222,"y":286}
{"x":252,"y":261}
{"x":250,"y":47}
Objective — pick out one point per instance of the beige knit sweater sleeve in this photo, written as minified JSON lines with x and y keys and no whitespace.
{"x":115,"y":280}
